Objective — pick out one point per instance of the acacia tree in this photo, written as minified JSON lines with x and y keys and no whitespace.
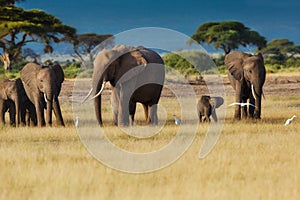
{"x":227,"y":35}
{"x":280,"y":50}
{"x":19,"y":27}
{"x":89,"y":43}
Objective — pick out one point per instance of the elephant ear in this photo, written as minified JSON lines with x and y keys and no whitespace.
{"x":135,"y":64}
{"x":216,"y":102}
{"x":234,"y":62}
{"x":3,"y":84}
{"x":60,"y":76}
{"x":29,"y":75}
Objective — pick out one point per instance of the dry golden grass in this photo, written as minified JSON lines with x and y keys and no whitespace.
{"x":251,"y":160}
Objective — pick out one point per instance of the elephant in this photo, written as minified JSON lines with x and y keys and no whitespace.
{"x":43,"y":85}
{"x":136,"y":74}
{"x":9,"y":101}
{"x":207,"y":107}
{"x":14,"y":100}
{"x":247,"y":75}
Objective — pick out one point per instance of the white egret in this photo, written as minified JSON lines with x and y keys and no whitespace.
{"x":76,"y":121}
{"x":241,"y":104}
{"x":177,"y":121}
{"x":288,"y":121}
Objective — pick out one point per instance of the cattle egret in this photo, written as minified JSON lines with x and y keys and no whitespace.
{"x":241,"y":104}
{"x":177,"y":121}
{"x":76,"y":121}
{"x":288,"y":121}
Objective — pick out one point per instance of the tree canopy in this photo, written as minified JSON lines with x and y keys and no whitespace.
{"x":281,"y":46}
{"x":87,"y":43}
{"x":280,"y":50}
{"x":19,"y":27}
{"x":227,"y":35}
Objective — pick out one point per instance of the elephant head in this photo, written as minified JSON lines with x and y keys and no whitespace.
{"x":9,"y":92}
{"x":42,"y":85}
{"x":247,"y":74}
{"x":111,"y":66}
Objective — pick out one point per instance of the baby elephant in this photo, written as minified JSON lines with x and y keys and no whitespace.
{"x":207,"y":106}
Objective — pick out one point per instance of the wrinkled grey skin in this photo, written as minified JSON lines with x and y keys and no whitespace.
{"x":40,"y":83}
{"x":245,"y":70}
{"x":14,"y":100}
{"x":207,"y":106}
{"x":119,"y":67}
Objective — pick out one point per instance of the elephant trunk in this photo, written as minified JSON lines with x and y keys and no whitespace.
{"x":49,"y":102}
{"x":97,"y":100}
{"x":257,"y":94}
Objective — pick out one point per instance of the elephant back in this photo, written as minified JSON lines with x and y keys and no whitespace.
{"x":150,"y":56}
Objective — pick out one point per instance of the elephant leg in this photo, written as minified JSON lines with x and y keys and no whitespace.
{"x":146,"y":113}
{"x":207,"y":114}
{"x":132,"y":109}
{"x":2,"y":114}
{"x":251,"y":108}
{"x":115,"y":106}
{"x":40,"y":114}
{"x":244,"y":109}
{"x":12,"y":114}
{"x":57,"y":112}
{"x":31,"y":115}
{"x":23,"y":115}
{"x":123,"y":114}
{"x":257,"y":110}
{"x":238,"y":98}
{"x":199,"y":116}
{"x":153,"y":119}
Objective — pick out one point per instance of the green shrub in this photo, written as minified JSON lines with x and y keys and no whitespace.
{"x":190,"y":62}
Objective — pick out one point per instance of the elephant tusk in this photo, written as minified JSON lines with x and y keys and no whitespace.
{"x":102,"y":87}
{"x":45,"y":97}
{"x":253,"y":92}
{"x":87,"y":96}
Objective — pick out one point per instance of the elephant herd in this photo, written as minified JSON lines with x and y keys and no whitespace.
{"x":136,"y":75}
{"x":27,"y":97}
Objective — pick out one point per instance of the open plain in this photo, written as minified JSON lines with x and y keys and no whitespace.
{"x":251,"y":159}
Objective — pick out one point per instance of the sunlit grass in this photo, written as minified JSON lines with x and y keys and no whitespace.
{"x":251,"y":160}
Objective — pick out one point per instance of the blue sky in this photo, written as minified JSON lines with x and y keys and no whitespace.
{"x":271,"y":19}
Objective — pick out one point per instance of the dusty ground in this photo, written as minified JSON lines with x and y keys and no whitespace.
{"x":275,"y":85}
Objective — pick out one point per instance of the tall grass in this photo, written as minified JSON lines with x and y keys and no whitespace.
{"x":251,"y":160}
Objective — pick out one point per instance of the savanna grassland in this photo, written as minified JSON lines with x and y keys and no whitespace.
{"x":251,"y":159}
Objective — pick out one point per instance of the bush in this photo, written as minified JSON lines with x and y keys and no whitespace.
{"x":74,"y":69}
{"x":190,"y":62}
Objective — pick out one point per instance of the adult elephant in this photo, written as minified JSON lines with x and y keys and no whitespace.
{"x":136,"y":75}
{"x":247,"y":75}
{"x":42,"y":85}
{"x":207,"y":106}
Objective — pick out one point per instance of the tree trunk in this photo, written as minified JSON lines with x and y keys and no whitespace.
{"x":6,"y":60}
